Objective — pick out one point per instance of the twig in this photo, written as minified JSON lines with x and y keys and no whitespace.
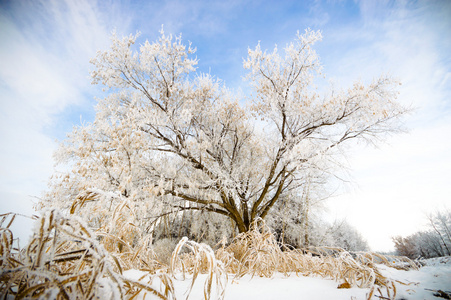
{"x":440,"y":293}
{"x":382,"y":297}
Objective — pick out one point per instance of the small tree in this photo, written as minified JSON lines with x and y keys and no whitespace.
{"x":347,"y":237}
{"x":405,"y":246}
{"x":441,"y":224}
{"x":435,"y":242}
{"x":167,"y":140}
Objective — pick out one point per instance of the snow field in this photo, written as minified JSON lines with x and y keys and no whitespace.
{"x":417,"y":285}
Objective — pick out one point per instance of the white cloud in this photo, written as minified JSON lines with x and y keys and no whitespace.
{"x":44,"y":65}
{"x":397,"y":184}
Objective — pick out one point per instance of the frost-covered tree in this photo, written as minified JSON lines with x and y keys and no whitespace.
{"x":168,"y":140}
{"x":435,"y":242}
{"x":295,"y":216}
{"x":345,"y":236}
{"x":405,"y":246}
{"x":440,"y":222}
{"x":425,"y":244}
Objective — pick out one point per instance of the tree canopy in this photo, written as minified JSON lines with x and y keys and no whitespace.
{"x":168,"y":139}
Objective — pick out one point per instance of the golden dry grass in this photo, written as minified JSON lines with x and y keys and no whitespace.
{"x":199,"y":259}
{"x":67,"y":260}
{"x":64,"y":260}
{"x":257,"y":253}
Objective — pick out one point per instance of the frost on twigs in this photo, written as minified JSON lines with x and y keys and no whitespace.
{"x":174,"y":143}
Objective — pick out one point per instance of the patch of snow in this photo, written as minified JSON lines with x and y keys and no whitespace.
{"x":135,"y":275}
{"x":292,"y":287}
{"x":435,"y":275}
{"x":437,"y":261}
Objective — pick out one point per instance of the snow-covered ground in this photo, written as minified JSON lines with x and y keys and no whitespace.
{"x":435,"y":275}
{"x":278,"y":287}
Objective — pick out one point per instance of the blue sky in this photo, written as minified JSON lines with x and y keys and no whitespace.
{"x":45,"y":87}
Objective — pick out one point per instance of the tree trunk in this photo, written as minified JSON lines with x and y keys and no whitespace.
{"x":242,"y":225}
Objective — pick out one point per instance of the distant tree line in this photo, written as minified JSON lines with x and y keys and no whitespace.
{"x":435,"y":242}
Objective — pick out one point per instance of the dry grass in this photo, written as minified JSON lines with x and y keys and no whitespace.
{"x":199,"y":259}
{"x":124,"y":239}
{"x":67,"y":260}
{"x":259,"y":254}
{"x":64,"y":260}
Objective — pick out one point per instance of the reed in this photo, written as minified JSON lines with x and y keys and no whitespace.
{"x":66,"y":259}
